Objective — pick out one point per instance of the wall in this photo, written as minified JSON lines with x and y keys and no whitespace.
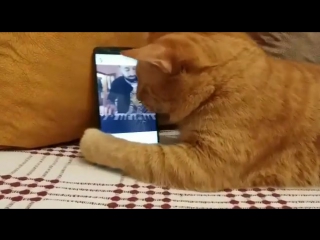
{"x":109,"y":70}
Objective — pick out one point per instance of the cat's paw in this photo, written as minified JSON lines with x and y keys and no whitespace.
{"x":90,"y":144}
{"x":104,"y":149}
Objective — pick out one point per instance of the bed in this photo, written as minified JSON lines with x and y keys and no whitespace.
{"x":58,"y":178}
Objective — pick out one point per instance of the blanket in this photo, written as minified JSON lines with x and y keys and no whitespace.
{"x":59,"y":178}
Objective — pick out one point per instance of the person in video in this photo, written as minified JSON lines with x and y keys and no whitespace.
{"x":100,"y":91}
{"x":122,"y":89}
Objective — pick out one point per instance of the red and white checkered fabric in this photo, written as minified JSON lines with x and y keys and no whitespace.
{"x":59,"y":178}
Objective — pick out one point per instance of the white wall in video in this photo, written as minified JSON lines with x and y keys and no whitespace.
{"x":114,"y":60}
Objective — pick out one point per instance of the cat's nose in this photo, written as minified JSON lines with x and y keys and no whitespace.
{"x":140,"y":94}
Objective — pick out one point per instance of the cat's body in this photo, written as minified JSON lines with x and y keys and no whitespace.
{"x":246,"y":119}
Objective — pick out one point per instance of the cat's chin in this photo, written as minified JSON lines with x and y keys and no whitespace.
{"x":163,"y":118}
{"x":153,"y":108}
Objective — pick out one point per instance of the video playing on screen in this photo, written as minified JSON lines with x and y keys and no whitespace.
{"x":121,"y":114}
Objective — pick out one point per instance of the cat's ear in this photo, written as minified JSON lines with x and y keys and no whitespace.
{"x":153,"y":53}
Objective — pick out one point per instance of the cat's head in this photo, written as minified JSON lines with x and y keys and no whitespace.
{"x":177,"y":72}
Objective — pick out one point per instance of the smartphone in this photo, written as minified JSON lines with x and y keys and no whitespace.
{"x":120,"y":112}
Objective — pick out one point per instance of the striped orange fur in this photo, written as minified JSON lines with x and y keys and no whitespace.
{"x":246,"y":119}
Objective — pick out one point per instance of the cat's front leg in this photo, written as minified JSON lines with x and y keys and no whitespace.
{"x":104,"y":149}
{"x":98,"y":147}
{"x":179,"y":165}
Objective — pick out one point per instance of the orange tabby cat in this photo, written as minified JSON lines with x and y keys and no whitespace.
{"x":246,"y":119}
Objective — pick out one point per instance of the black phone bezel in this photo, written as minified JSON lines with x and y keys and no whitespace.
{"x":109,"y":50}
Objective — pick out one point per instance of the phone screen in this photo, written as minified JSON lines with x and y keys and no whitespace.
{"x":121,"y":114}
